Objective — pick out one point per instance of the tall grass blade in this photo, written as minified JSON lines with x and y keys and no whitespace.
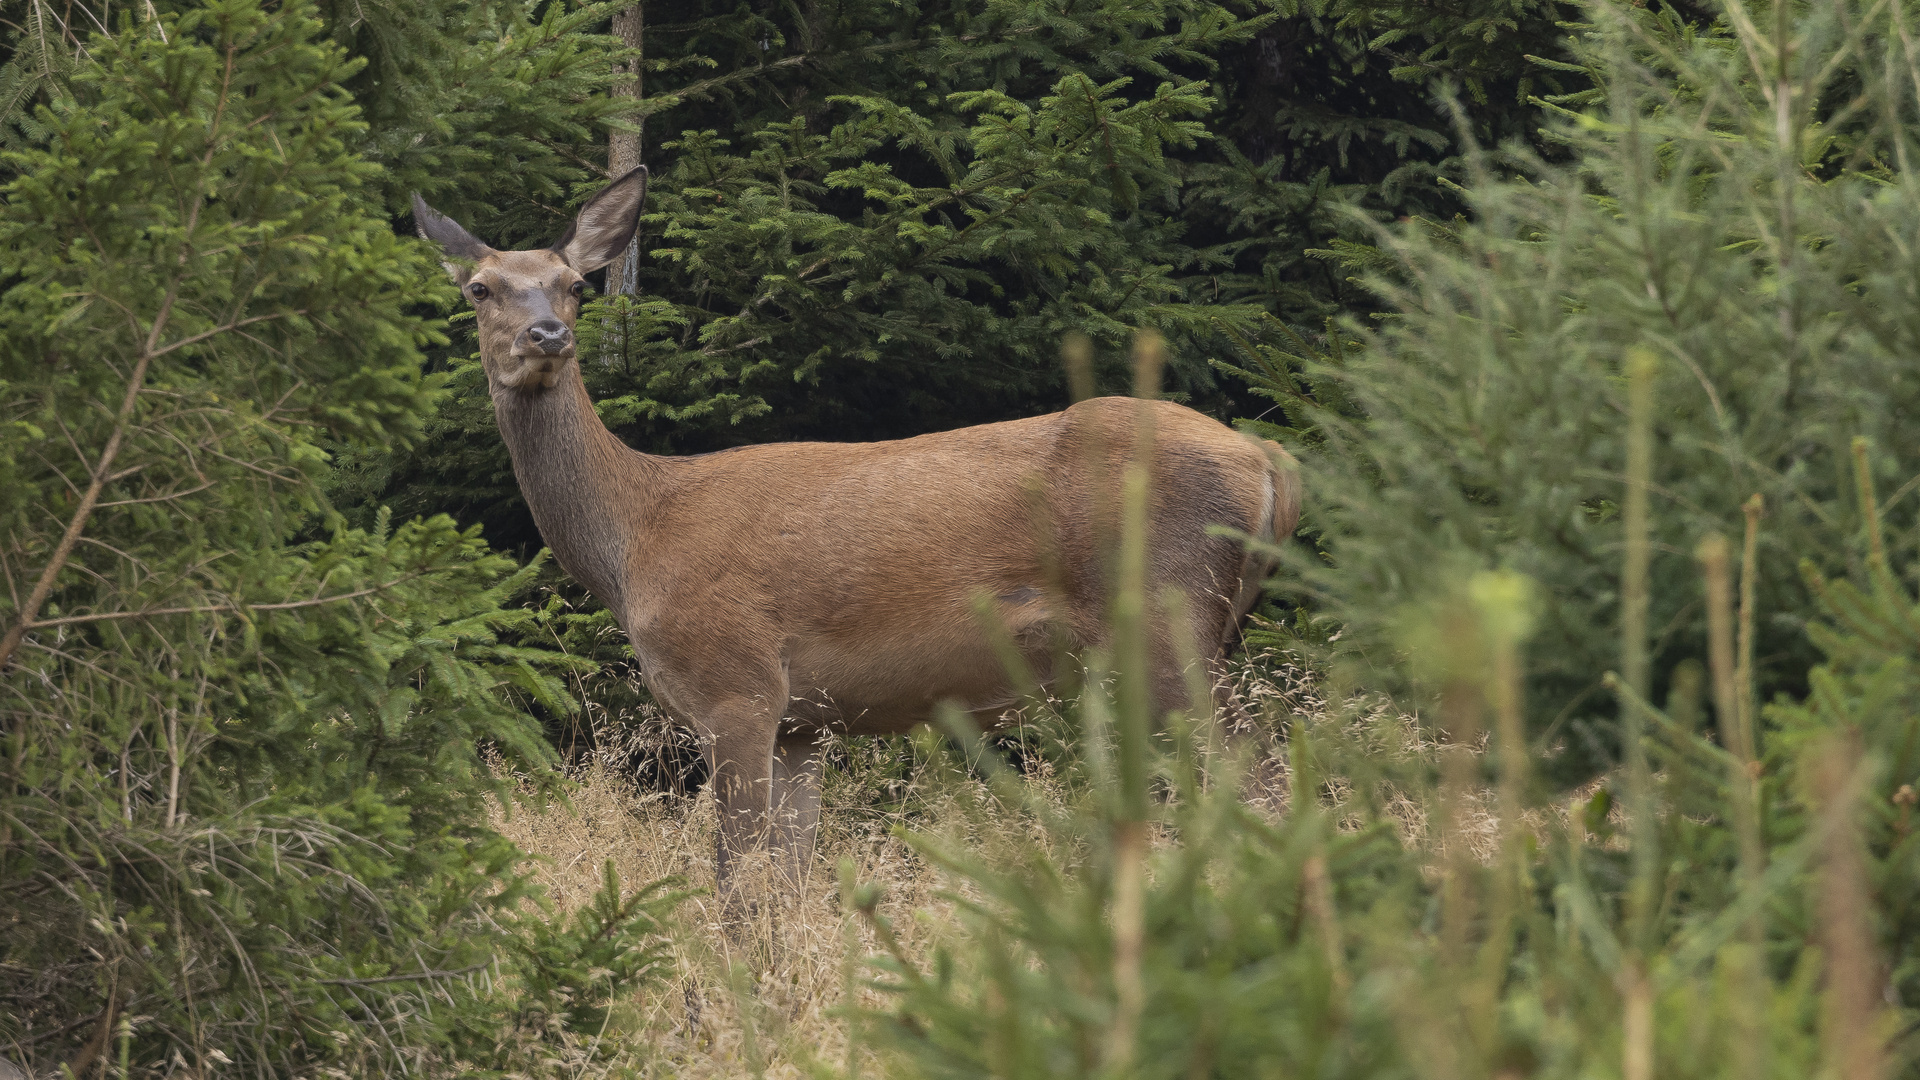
{"x":1636,"y":990}
{"x":1851,"y":1034}
{"x":1749,"y":748}
{"x":1132,"y":629}
{"x":1641,"y":367}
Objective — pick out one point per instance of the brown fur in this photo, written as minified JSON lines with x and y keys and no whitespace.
{"x":771,"y":591}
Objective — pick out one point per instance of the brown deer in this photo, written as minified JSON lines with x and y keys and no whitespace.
{"x":771,"y":592}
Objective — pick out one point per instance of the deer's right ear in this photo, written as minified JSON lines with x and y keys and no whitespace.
{"x":605,"y":224}
{"x":460,"y":248}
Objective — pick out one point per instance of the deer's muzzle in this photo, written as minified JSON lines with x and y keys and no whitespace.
{"x":550,"y":336}
{"x":540,"y":352}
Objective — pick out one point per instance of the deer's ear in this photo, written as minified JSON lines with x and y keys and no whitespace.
{"x":605,"y":225}
{"x":457,"y":245}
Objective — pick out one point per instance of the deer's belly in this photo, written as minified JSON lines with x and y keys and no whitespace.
{"x":875,"y":688}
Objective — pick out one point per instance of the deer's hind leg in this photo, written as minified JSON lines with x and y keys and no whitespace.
{"x":796,"y":803}
{"x":1188,"y":658}
{"x":1207,"y":588}
{"x":1264,"y":783}
{"x":1191,"y":669}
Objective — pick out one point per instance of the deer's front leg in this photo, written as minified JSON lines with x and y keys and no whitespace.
{"x":739,"y":740}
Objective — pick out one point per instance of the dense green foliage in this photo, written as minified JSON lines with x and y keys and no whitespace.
{"x":242,"y":805}
{"x":1561,"y":944}
{"x":1724,"y":267}
{"x":870,"y":220}
{"x":1762,"y":260}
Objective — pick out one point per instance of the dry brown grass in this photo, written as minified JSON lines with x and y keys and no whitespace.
{"x":765,"y":999}
{"x":760,"y":1000}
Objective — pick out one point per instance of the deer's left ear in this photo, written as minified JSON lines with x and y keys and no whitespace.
{"x":605,"y":225}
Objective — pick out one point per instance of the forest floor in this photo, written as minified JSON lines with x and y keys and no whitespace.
{"x":764,"y":999}
{"x":769,"y":998}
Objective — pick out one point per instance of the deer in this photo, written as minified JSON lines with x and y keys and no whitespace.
{"x":771,"y":593}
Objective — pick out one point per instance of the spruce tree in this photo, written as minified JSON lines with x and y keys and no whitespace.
{"x":242,"y":798}
{"x":1731,"y":213}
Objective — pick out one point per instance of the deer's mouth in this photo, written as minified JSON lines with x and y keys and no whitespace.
{"x":533,"y":369}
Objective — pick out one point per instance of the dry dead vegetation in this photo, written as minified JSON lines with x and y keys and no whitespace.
{"x":766,"y":1000}
{"x":762,"y":1000}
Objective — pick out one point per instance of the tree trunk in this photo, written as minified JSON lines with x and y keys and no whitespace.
{"x":623,"y":147}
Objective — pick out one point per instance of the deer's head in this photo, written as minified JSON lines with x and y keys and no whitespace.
{"x":526,"y":301}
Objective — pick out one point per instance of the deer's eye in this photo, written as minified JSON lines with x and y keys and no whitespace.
{"x":579,"y":289}
{"x":477,"y":291}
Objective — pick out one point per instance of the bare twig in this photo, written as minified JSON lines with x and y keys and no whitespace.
{"x":415,"y":976}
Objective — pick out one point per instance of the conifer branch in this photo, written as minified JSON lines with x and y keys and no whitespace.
{"x":215,"y":609}
{"x":62,"y":551}
{"x":102,"y":472}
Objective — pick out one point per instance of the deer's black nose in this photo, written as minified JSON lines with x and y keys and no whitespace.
{"x":549,"y":336}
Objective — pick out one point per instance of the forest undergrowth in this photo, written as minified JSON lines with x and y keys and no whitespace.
{"x":773,"y":997}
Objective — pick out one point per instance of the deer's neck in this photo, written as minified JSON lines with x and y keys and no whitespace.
{"x":589,"y":492}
